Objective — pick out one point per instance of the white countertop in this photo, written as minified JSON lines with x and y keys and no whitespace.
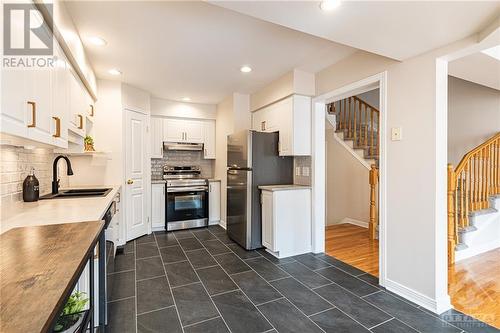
{"x":56,"y":211}
{"x":158,"y":181}
{"x":211,"y":180}
{"x":283,"y":187}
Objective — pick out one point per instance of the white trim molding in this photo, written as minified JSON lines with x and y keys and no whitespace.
{"x":438,"y":306}
{"x":319,"y":166}
{"x":222,"y":223}
{"x":354,"y":222}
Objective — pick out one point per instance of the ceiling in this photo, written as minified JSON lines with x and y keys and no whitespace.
{"x":194,"y":49}
{"x":395,"y":29}
{"x":478,"y":68}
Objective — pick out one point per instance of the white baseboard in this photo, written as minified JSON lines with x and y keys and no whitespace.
{"x":438,"y":306}
{"x":158,"y":229}
{"x":476,"y":250}
{"x":222,"y":223}
{"x":355,"y":222}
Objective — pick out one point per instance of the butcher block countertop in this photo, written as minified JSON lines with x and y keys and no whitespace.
{"x":39,"y":265}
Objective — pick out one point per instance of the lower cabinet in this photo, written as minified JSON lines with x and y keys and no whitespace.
{"x":213,"y":202}
{"x":286,"y":221}
{"x":158,"y":206}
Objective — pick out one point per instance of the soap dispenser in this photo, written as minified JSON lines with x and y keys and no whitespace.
{"x":31,"y":187}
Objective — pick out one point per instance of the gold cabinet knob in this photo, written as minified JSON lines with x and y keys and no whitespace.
{"x":130,"y":181}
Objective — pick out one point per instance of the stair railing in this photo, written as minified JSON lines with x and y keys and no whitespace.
{"x":359,"y":121}
{"x":470,"y":185}
{"x":373,"y":180}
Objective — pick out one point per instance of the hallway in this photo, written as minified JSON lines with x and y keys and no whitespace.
{"x":350,"y":243}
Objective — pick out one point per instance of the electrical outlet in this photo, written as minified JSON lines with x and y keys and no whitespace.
{"x":396,"y":134}
{"x":305,"y":171}
{"x":297,"y":171}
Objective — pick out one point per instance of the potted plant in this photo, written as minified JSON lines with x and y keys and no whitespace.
{"x":89,"y":143}
{"x":73,"y":313}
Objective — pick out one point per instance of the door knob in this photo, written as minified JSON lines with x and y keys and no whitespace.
{"x":130,"y":181}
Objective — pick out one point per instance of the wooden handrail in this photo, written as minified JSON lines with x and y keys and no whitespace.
{"x":366,"y":104}
{"x":373,"y":179}
{"x":470,"y":185}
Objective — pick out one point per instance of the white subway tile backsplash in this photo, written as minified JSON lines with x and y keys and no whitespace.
{"x":16,"y":164}
{"x":182,"y":158}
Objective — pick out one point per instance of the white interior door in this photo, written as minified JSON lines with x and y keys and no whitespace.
{"x":135,"y":173}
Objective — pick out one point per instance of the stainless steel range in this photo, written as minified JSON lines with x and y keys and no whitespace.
{"x":187,"y":198}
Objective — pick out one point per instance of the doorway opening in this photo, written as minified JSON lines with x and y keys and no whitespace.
{"x":352,"y":158}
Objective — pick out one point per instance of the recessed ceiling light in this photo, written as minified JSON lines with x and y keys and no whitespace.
{"x":186,"y":99}
{"x":493,"y":52}
{"x":245,"y":69}
{"x":328,"y":5}
{"x":98,"y":41}
{"x":114,"y":71}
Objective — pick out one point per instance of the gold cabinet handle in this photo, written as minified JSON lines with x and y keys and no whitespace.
{"x":130,"y":181}
{"x":58,"y":127}
{"x":81,"y":121}
{"x":91,"y":110}
{"x":33,"y":114}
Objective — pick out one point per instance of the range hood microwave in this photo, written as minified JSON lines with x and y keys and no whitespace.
{"x":182,"y":146}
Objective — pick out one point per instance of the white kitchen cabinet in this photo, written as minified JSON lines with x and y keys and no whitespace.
{"x":209,"y":140}
{"x":183,"y":130}
{"x":173,"y":130}
{"x":158,"y":206}
{"x":286,"y":221}
{"x":78,"y":106}
{"x":156,"y":137}
{"x":213,"y":202}
{"x":291,"y":117}
{"x":60,"y":99}
{"x":15,"y":109}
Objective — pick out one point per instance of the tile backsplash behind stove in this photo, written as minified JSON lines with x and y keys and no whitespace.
{"x":182,"y":158}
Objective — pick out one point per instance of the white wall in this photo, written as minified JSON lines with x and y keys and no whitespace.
{"x":224,"y":126}
{"x":107,"y":130}
{"x":473,"y":116}
{"x":135,"y":99}
{"x":415,"y":229}
{"x":347,"y":187}
{"x":167,"y":108}
{"x":241,"y":110}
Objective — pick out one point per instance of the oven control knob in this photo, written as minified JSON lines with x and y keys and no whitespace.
{"x":130,"y":181}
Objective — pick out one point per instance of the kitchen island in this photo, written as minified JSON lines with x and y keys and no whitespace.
{"x":39,"y":267}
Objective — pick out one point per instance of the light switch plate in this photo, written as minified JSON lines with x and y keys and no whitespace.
{"x":305,"y":171}
{"x":297,"y":171}
{"x":396,"y":134}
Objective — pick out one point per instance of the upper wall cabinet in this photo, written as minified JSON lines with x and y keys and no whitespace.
{"x":156,"y":137}
{"x":209,"y":146}
{"x":291,"y":117}
{"x":183,"y":130}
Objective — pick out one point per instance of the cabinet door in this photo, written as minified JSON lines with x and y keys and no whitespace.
{"x":213,"y":202}
{"x":267,"y":220}
{"x":209,"y":144}
{"x":15,"y":108}
{"x":77,"y":106}
{"x":194,"y":130}
{"x":158,"y":206}
{"x":60,"y":99}
{"x":173,"y":130}
{"x":156,"y":137}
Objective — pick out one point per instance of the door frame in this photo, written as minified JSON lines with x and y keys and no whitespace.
{"x":147,"y":170}
{"x":319,"y":163}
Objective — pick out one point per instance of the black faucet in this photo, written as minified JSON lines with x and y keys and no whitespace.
{"x":55,"y":180}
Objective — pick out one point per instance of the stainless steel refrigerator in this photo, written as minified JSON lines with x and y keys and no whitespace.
{"x":252,"y":160}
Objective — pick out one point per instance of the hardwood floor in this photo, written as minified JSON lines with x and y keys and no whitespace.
{"x":474,"y":287}
{"x":350,"y":243}
{"x":474,"y":284}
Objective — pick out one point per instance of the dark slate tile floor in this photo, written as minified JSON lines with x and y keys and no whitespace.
{"x":200,"y":281}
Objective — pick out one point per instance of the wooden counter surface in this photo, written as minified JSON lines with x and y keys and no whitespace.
{"x":38,"y":268}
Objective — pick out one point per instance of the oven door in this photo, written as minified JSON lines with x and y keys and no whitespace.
{"x":186,"y":207}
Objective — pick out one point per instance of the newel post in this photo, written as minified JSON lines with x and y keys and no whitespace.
{"x":373,"y":178}
{"x":451,"y":215}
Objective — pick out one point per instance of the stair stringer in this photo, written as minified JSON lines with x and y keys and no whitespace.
{"x":348,"y":145}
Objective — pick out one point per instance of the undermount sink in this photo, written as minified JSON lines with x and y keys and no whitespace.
{"x":77,"y":193}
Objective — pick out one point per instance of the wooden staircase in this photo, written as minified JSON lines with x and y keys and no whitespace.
{"x":357,"y":124}
{"x":473,"y":186}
